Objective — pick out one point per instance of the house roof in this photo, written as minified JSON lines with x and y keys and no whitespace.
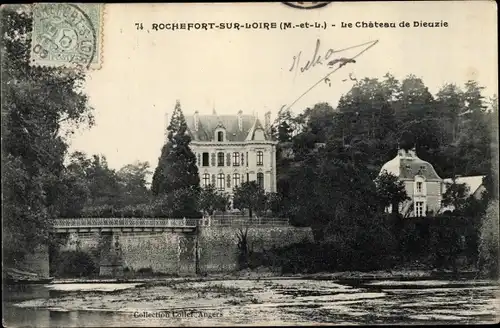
{"x":256,"y":126}
{"x":208,"y":123}
{"x":473,"y":182}
{"x":407,"y":165}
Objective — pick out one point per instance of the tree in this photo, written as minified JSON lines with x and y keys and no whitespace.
{"x":456,"y":195}
{"x":343,"y":191}
{"x":490,"y":241}
{"x":317,"y":121}
{"x":36,"y":102}
{"x":177,"y":164}
{"x":390,"y":191}
{"x":274,"y":203}
{"x":75,"y":194}
{"x":177,"y":174}
{"x":282,"y":128}
{"x":212,"y":200}
{"x":132,"y":179}
{"x":177,"y":122}
{"x":249,"y":195}
{"x":180,"y":203}
{"x":103,"y":183}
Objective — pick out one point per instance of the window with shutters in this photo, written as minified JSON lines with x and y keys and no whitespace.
{"x":228,"y":159}
{"x":220,"y":159}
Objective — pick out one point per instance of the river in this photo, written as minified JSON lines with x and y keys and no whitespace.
{"x":284,"y":301}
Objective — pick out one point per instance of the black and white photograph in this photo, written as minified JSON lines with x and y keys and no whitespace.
{"x":250,"y":164}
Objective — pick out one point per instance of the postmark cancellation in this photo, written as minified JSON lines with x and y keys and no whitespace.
{"x":67,"y":35}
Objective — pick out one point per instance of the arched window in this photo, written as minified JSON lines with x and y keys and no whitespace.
{"x":220,"y":136}
{"x":220,"y":181}
{"x":260,"y":179}
{"x":220,"y":159}
{"x":236,"y":179}
{"x":206,"y":180}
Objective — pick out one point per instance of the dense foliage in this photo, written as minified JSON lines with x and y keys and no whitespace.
{"x":444,"y":243}
{"x":36,"y":103}
{"x":212,"y":200}
{"x":249,"y":196}
{"x":328,"y":161}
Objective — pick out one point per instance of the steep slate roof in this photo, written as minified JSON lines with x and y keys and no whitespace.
{"x":406,"y":165}
{"x":208,"y":123}
{"x":473,"y":182}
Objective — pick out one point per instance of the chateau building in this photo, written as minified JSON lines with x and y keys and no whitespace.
{"x":232,"y":149}
{"x":423,"y":185}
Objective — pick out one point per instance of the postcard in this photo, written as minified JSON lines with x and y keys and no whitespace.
{"x":249,"y":164}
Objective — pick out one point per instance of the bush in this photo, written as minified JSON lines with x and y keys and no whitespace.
{"x":75,"y":264}
{"x":145,"y":271}
{"x":489,"y":242}
{"x":381,"y":244}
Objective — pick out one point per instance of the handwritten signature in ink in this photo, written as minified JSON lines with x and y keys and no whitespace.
{"x":318,"y":60}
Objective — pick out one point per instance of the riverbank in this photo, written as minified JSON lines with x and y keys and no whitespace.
{"x":264,"y":274}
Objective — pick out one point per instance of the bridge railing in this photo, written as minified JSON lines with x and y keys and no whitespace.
{"x":124,"y":222}
{"x":244,"y":221}
{"x":166,"y":222}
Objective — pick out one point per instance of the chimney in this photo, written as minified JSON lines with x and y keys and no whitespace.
{"x":412,"y":152}
{"x":196,"y":120}
{"x":240,"y":120}
{"x":267,"y":121}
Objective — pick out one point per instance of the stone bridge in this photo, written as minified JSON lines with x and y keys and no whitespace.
{"x":168,"y":245}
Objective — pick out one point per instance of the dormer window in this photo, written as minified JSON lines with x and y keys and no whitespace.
{"x":259,"y":135}
{"x":220,"y":133}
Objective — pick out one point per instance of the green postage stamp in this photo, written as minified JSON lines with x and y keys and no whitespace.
{"x":68,"y":35}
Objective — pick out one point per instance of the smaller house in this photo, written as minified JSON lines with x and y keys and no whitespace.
{"x":423,"y":185}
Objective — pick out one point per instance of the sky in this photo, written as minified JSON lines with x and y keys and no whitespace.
{"x":144,"y":72}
